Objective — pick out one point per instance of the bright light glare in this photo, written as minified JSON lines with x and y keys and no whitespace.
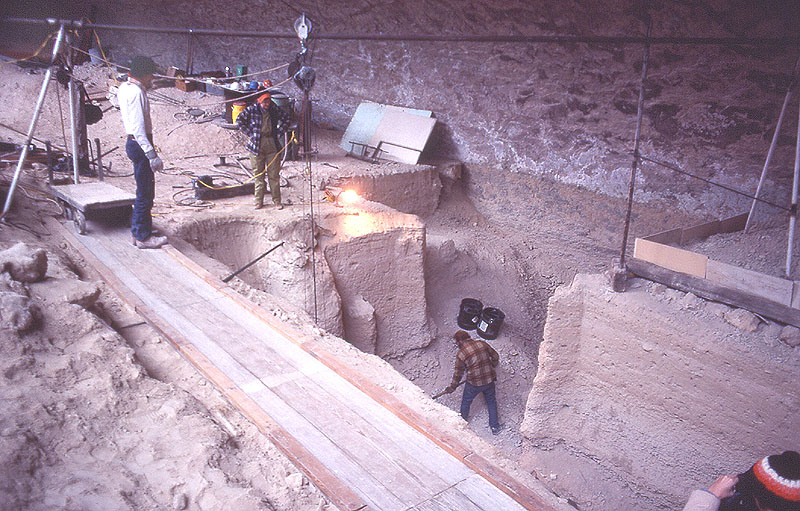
{"x":348,"y":196}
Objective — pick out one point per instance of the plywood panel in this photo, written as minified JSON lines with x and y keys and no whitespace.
{"x":733,"y":224}
{"x":772,"y":288}
{"x":408,"y":132}
{"x":699,"y":231}
{"x":666,"y":237}
{"x":672,"y":258}
{"x":365,"y":122}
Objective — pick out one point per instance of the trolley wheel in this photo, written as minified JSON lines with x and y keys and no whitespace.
{"x":67,"y":209}
{"x":80,"y":221}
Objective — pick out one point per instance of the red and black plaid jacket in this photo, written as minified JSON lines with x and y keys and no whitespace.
{"x":479,"y":360}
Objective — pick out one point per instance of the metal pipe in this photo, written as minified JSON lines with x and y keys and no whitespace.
{"x":488,"y":38}
{"x":251,"y":263}
{"x":73,"y":115}
{"x":636,"y":140}
{"x":793,"y":217}
{"x":36,"y":112}
{"x":99,"y":160}
{"x":773,"y":144}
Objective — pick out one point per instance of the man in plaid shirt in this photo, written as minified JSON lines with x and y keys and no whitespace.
{"x":264,"y":123}
{"x":479,"y":360}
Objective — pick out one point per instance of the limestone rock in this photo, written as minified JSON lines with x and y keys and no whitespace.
{"x":743,"y":320}
{"x":790,"y":335}
{"x":17,"y":312}
{"x":360,"y":325}
{"x":24,"y":263}
{"x":448,"y":252}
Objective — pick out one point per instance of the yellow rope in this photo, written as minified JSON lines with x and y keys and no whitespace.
{"x":46,"y":40}
{"x":283,"y":149}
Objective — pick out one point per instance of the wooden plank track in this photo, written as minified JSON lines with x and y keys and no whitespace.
{"x":362,"y":453}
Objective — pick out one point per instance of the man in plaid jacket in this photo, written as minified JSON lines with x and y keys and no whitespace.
{"x":479,"y":360}
{"x":264,"y":123}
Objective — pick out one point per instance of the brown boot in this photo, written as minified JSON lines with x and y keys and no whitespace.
{"x":258,"y":204}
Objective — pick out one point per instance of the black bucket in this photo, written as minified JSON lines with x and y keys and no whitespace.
{"x":469,"y":313}
{"x":490,"y":323}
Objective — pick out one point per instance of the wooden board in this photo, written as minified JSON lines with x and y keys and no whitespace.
{"x":699,"y":231}
{"x":772,"y":288}
{"x":666,"y":237}
{"x":734,"y":223}
{"x":404,"y":135}
{"x":672,"y":258}
{"x":713,"y":291}
{"x":90,"y":196}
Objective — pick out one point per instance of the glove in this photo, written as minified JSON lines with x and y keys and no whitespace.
{"x":155,"y":162}
{"x":450,"y":389}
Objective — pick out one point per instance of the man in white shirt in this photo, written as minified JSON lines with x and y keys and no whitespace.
{"x":135,"y":109}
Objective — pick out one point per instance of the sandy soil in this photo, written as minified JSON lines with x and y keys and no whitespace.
{"x":102,"y":389}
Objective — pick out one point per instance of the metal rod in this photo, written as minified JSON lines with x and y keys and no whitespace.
{"x":713,"y":183}
{"x":636,"y":139}
{"x":73,"y":114}
{"x":189,"y":49}
{"x":773,"y":144}
{"x":793,"y":217}
{"x":251,"y":263}
{"x":37,"y":111}
{"x":790,"y":41}
{"x":99,"y":160}
{"x":15,"y":130}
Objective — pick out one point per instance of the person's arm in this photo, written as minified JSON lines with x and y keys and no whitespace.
{"x":243,"y":121}
{"x":493,"y":356}
{"x":136,"y":124}
{"x":709,"y":500}
{"x":457,"y":374}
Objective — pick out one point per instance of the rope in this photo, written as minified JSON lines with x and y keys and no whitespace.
{"x":676,"y":169}
{"x":36,"y":54}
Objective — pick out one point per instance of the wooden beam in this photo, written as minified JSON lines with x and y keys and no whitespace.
{"x":712,"y":291}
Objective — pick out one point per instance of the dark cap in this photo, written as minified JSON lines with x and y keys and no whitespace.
{"x":142,"y":66}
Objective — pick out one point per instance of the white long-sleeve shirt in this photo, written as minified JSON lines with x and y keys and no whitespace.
{"x":135,"y":109}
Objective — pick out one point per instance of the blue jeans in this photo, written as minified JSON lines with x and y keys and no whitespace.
{"x":471,"y":392}
{"x":141,"y":221}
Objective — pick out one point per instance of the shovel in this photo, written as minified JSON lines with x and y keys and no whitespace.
{"x":442,"y":393}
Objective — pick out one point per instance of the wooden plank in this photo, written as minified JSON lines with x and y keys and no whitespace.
{"x":279,"y":362}
{"x":772,"y":288}
{"x":666,"y":237}
{"x":483,"y":494}
{"x":335,"y":489}
{"x":712,"y":291}
{"x":449,"y":500}
{"x":699,"y":231}
{"x":675,"y":259}
{"x":796,"y":294}
{"x":88,"y":196}
{"x":734,"y":223}
{"x":359,"y":480}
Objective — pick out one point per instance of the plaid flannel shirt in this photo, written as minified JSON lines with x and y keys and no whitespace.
{"x":251,"y":119}
{"x":479,"y":360}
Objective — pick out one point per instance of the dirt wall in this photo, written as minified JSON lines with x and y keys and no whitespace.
{"x":653,"y":392}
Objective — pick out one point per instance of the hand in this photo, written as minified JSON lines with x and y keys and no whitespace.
{"x":156,"y":164}
{"x":450,"y":389}
{"x":722,"y":488}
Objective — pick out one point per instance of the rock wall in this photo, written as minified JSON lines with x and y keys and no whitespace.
{"x":377,"y":257}
{"x":563,"y":111}
{"x":652,"y":392}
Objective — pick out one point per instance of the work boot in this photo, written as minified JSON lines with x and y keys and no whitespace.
{"x":278,"y":205}
{"x":497,"y":429}
{"x":151,"y":242}
{"x":258,"y":204}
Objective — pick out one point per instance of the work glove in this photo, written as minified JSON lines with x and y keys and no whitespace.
{"x":450,"y":389}
{"x":156,"y":165}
